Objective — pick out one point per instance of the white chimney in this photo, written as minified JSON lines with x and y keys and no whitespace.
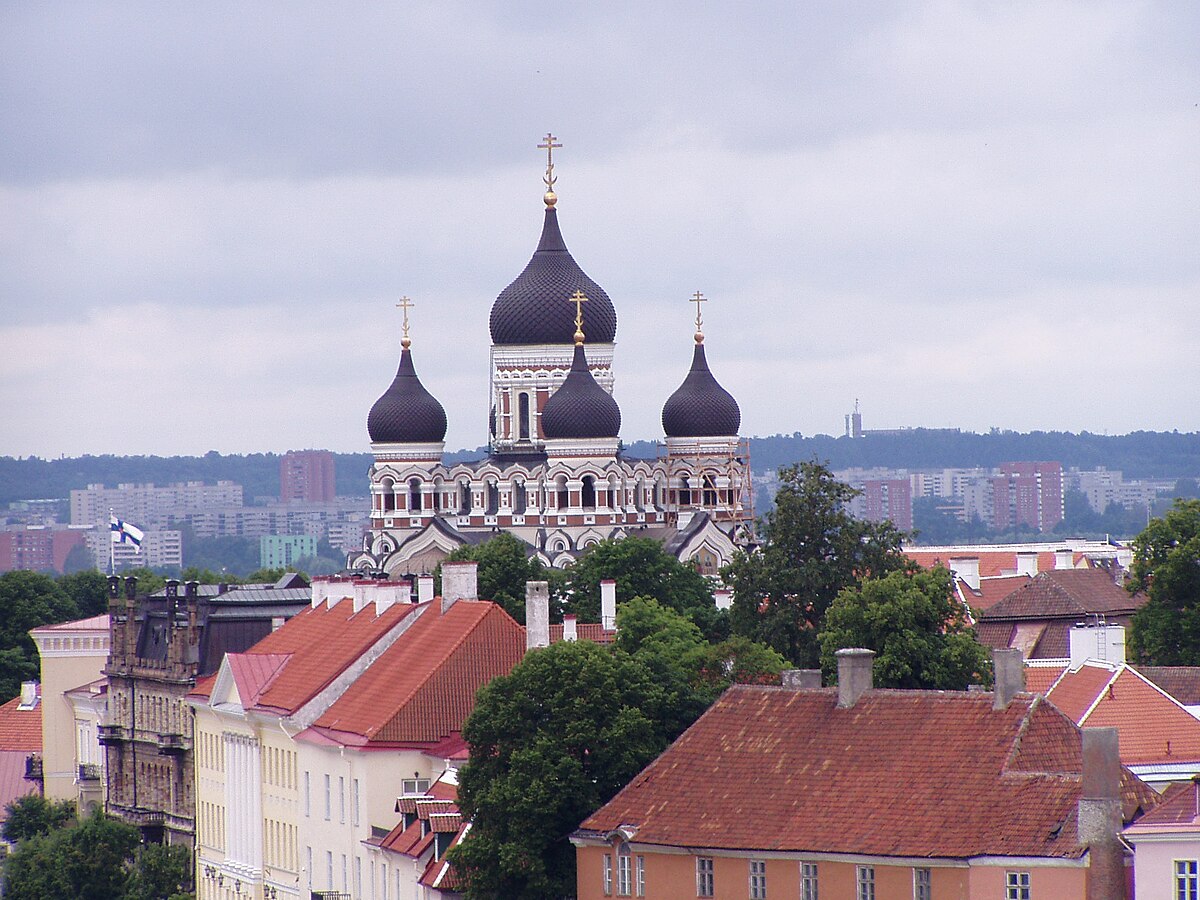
{"x":29,"y":693}
{"x":570,"y":629}
{"x":537,"y":614}
{"x":361,"y":594}
{"x":966,"y":568}
{"x":1100,"y":642}
{"x":608,"y":604}
{"x":723,"y":599}
{"x":459,"y":582}
{"x":855,"y":674}
{"x":1064,"y":558}
{"x":1027,"y":563}
{"x":424,"y":587}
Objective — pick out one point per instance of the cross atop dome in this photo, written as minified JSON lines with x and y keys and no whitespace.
{"x":578,"y":298}
{"x":548,"y":144}
{"x":699,"y":298}
{"x":405,"y":304}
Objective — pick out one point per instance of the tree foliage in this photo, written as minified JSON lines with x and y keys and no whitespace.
{"x":812,"y":550}
{"x":32,"y":815}
{"x":916,"y":625}
{"x":550,"y":743}
{"x":641,"y":568}
{"x":27,"y":600}
{"x":1166,"y":565}
{"x":503,"y":571}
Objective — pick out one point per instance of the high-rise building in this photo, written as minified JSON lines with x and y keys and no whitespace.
{"x":1027,"y":495}
{"x":306,"y":476}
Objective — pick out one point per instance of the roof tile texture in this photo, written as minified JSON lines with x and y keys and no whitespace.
{"x":1065,"y":593}
{"x":20,"y":729}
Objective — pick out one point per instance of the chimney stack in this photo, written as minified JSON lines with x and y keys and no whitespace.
{"x":424,"y":588}
{"x":29,"y":695}
{"x":459,"y":582}
{"x":1064,"y":558}
{"x":1027,"y":563}
{"x":723,"y":599}
{"x":537,"y":614}
{"x":570,"y":628}
{"x":608,"y":604}
{"x":801,"y":679}
{"x":966,"y":568}
{"x":131,"y":587}
{"x":1098,"y":821}
{"x":1010,"y":676}
{"x":854,"y":674}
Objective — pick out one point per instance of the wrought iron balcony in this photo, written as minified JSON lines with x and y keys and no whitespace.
{"x":33,"y":767}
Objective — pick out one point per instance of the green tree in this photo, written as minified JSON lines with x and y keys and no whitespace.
{"x":27,"y":600}
{"x":89,"y":589}
{"x":550,"y":743}
{"x":160,"y":871}
{"x":89,"y":861}
{"x":919,"y":630}
{"x":32,"y":815}
{"x":812,"y":550}
{"x":504,"y":568}
{"x":148,"y":581}
{"x":641,"y":568}
{"x":738,"y":660}
{"x":1166,"y":565}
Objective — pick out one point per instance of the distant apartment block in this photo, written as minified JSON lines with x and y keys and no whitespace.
{"x":148,"y":505}
{"x":317,"y":519}
{"x":160,"y":549}
{"x":1027,"y":495}
{"x":37,"y":549}
{"x":306,"y":476}
{"x":278,"y":551}
{"x":889,"y":499}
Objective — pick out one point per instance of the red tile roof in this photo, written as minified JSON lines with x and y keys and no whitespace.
{"x":1077,"y":690}
{"x":1179,"y":811}
{"x":1065,"y":593}
{"x":1154,"y":728}
{"x":992,"y":563}
{"x":253,"y":673}
{"x":1039,"y":679}
{"x":94,"y":623}
{"x":422,"y":688}
{"x":901,"y":773}
{"x":1181,"y":682}
{"x":21,"y":729}
{"x":586,"y":631}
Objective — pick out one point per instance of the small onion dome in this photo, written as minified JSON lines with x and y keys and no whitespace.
{"x":531,"y":309}
{"x":700,"y":407}
{"x":407,"y":413}
{"x":580,"y":408}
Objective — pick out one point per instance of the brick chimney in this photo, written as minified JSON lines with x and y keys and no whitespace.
{"x":854,"y":674}
{"x":1010,"y":676}
{"x":801,"y":679}
{"x":966,"y":568}
{"x":1099,"y":814}
{"x":608,"y":604}
{"x":537,"y":614}
{"x":459,"y":582}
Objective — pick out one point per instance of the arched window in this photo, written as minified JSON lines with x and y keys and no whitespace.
{"x":464,"y":498}
{"x":560,"y":488}
{"x":639,"y":495}
{"x":710,"y":491}
{"x":589,"y":492}
{"x":438,"y":488}
{"x":685,"y":491}
{"x":414,"y":495}
{"x":493,"y":497}
{"x":523,"y":415}
{"x":389,"y":495}
{"x":613,"y":495}
{"x":518,"y":502}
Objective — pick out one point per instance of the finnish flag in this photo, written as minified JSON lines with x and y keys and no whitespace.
{"x":124,"y":533}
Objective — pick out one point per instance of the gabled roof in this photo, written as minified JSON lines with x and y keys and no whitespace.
{"x":21,"y":729}
{"x":1065,"y":593}
{"x":1181,"y":682}
{"x":1178,"y":811}
{"x":1154,"y":727}
{"x":991,"y":590}
{"x":422,"y":687}
{"x":901,"y":773}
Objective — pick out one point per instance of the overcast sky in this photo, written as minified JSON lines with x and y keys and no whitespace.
{"x":965,"y":215}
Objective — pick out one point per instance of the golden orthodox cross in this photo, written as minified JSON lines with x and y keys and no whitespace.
{"x":549,"y":146}
{"x":405,"y":304}
{"x":698,"y":298}
{"x":578,"y":298}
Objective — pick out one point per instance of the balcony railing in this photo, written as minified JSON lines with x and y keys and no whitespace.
{"x":89,"y":771}
{"x":111,"y":734}
{"x":171,"y":744}
{"x":330,"y":895}
{"x":33,"y":767}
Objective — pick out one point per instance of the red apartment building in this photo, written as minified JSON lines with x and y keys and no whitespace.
{"x":306,"y":476}
{"x":889,"y":499}
{"x":38,"y":549}
{"x":1027,"y":495}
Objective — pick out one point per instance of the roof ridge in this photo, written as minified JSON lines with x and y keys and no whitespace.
{"x":1104,"y":688}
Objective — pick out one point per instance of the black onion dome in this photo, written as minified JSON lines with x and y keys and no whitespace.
{"x":700,"y":407}
{"x":580,"y":408}
{"x":407,"y":413}
{"x":535,"y":309}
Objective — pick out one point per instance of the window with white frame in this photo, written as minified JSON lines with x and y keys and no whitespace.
{"x":866,"y":882}
{"x":416,"y":785}
{"x":1017,"y":884}
{"x":808,"y":881}
{"x":342,"y":799}
{"x":307,"y":793}
{"x":758,"y":879}
{"x":624,"y":871}
{"x":1187,"y":879}
{"x":354,"y":811}
{"x":640,"y":876}
{"x":922,"y":884}
{"x":328,"y":799}
{"x":704,"y":876}
{"x":607,"y":874}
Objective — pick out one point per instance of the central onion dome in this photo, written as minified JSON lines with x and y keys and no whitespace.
{"x":407,"y":413}
{"x":700,"y":407}
{"x":531,"y":310}
{"x":580,"y":408}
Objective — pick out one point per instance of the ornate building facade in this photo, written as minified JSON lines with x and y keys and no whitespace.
{"x":556,"y":475}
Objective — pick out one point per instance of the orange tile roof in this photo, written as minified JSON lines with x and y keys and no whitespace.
{"x":1179,"y":811}
{"x":1039,"y":679}
{"x":901,"y":773}
{"x":586,"y":631}
{"x":253,"y":673}
{"x":21,"y":729}
{"x":992,"y":563}
{"x":1077,"y":690}
{"x":422,"y":688}
{"x":1065,"y":593}
{"x":1154,"y":728}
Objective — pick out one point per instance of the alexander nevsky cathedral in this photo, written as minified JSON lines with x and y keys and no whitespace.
{"x":555,"y":475}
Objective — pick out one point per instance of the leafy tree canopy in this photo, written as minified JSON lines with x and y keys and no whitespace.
{"x":27,"y":600}
{"x":1166,"y":565}
{"x":812,"y":550}
{"x":641,"y":568}
{"x":503,"y":571}
{"x":32,"y":815}
{"x":917,"y":627}
{"x":550,"y":743}
{"x":88,"y":588}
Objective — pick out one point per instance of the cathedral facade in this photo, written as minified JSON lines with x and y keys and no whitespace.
{"x":555,"y":475}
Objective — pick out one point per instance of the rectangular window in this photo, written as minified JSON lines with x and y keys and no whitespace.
{"x":1187,"y":879}
{"x":607,"y":874}
{"x":922,"y":884}
{"x":308,"y":868}
{"x":307,"y":793}
{"x":640,"y":871}
{"x":416,"y":785}
{"x":704,"y":876}
{"x":758,"y":879}
{"x":808,"y":881}
{"x":624,"y":873}
{"x":866,"y":882}
{"x":345,"y":874}
{"x":383,"y":881}
{"x":329,"y":868}
{"x":342,"y":799}
{"x":328,"y":803}
{"x":355,"y":809}
{"x":1017,"y":884}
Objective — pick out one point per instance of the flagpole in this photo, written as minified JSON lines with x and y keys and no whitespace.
{"x":112,"y":553}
